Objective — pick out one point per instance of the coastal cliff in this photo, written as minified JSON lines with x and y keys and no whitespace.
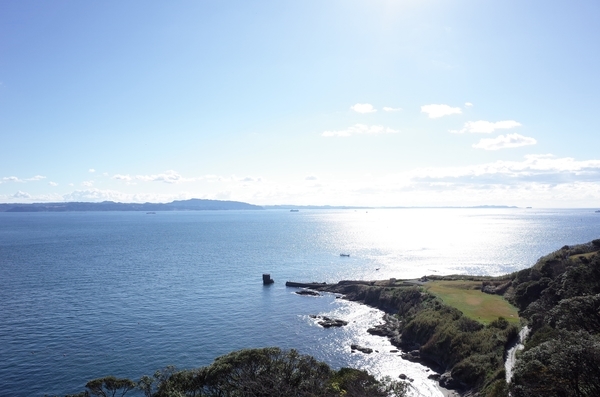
{"x":468,"y":355}
{"x":558,"y":298}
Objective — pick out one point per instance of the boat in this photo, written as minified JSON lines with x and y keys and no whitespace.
{"x":151,"y":213}
{"x":294,"y":210}
{"x":346,"y":255}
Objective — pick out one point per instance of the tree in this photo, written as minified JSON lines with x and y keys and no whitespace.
{"x":271,"y":372}
{"x":568,"y":365}
{"x":109,"y":386}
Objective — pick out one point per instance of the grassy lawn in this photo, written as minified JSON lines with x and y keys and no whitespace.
{"x":467,"y":297}
{"x":588,"y":255}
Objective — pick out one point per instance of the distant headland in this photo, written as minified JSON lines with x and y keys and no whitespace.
{"x":178,"y":205}
{"x":185,"y":205}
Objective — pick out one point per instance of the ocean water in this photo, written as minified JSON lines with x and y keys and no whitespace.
{"x":85,"y":295}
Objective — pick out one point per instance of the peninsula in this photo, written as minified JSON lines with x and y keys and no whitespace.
{"x":462,"y":326}
{"x":178,"y":205}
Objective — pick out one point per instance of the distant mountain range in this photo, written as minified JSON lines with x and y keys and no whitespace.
{"x":180,"y":205}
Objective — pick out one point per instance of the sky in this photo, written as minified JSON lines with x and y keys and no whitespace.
{"x":312,"y":102}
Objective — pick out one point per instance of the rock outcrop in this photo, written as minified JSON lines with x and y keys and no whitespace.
{"x":328,"y":322}
{"x":366,"y":350}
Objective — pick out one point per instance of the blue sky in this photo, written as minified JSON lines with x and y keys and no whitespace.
{"x":392,"y":103}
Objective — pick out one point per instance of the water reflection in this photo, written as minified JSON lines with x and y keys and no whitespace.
{"x":382,"y":362}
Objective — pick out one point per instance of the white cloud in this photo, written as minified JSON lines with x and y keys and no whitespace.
{"x":538,"y":180}
{"x":96,"y":195}
{"x":468,"y":104}
{"x":250,"y":179}
{"x":543,"y":169}
{"x":166,"y":177}
{"x":92,"y":170}
{"x":19,"y":180}
{"x":486,"y":127}
{"x":120,"y":177}
{"x":360,"y":129}
{"x":87,"y":183}
{"x":388,"y":109}
{"x":52,"y":183}
{"x":11,"y":179}
{"x":21,"y":195}
{"x":363,"y":108}
{"x":435,"y":111}
{"x":504,"y":142}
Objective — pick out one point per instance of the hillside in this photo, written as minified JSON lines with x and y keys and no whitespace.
{"x":451,"y":323}
{"x":560,"y":298}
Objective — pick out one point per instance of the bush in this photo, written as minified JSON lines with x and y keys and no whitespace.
{"x":267,"y":372}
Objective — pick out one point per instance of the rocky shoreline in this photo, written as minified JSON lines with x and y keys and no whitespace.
{"x":373,"y":293}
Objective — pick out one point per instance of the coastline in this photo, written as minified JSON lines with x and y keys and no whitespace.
{"x":399,"y":310}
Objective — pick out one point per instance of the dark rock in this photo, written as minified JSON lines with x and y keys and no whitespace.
{"x":402,"y":376}
{"x":388,"y":329}
{"x":332,"y":322}
{"x":308,"y":292}
{"x":380,"y":330}
{"x":328,"y":322}
{"x":363,"y":349}
{"x":446,"y":380}
{"x":434,"y":376}
{"x":267,"y":279}
{"x":414,"y":355}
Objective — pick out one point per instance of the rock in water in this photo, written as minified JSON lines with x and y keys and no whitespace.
{"x":363,"y":349}
{"x":308,"y":292}
{"x":328,"y":322}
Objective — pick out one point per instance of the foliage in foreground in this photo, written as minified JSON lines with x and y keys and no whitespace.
{"x":267,"y":372}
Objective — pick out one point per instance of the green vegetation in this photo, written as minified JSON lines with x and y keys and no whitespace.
{"x":560,"y":296}
{"x":472,"y":354}
{"x":449,"y":323}
{"x":466,"y":296}
{"x":268,"y":372}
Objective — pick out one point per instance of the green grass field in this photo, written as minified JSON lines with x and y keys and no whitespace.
{"x":588,"y":255}
{"x":467,"y":297}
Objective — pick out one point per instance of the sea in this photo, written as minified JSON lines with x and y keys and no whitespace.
{"x":89,"y":294}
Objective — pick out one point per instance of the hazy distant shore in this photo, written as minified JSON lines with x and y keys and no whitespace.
{"x":184,"y":205}
{"x":181,"y":205}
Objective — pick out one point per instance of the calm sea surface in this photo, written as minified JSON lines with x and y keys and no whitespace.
{"x":84,"y":295}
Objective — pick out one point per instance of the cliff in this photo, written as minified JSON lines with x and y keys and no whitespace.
{"x":558,"y":298}
{"x":468,"y":354}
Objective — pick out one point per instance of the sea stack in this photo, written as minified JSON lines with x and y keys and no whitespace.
{"x":267,"y":279}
